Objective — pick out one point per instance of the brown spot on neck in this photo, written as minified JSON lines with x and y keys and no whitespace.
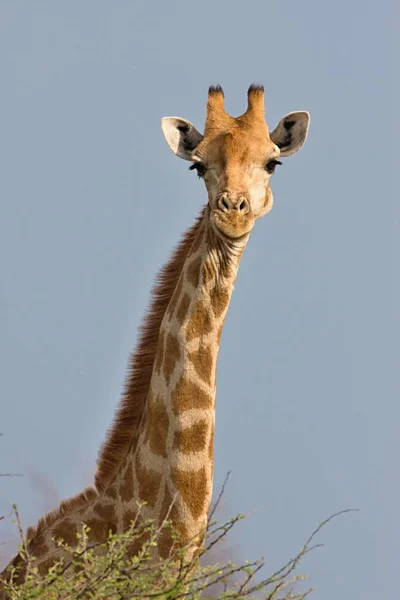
{"x":194,"y":489}
{"x":193,"y":272}
{"x":220,"y":298}
{"x":200,"y":322}
{"x":45,"y":565}
{"x":192,"y":439}
{"x":100,"y":529}
{"x":128,"y":518}
{"x":67,"y":531}
{"x":171,"y":356}
{"x":106,"y":512}
{"x":156,"y":425}
{"x":149,"y":483}
{"x":203,"y":362}
{"x":187,"y":395}
{"x":183,"y":308}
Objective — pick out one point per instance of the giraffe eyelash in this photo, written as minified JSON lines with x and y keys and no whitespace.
{"x":199,"y":167}
{"x":270,"y":166}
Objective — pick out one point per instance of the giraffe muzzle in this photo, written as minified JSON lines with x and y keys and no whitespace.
{"x":232,"y":215}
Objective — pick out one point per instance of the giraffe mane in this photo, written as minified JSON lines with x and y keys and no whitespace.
{"x":66,"y":507}
{"x":122,"y":433}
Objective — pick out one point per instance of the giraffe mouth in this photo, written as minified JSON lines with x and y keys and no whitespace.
{"x":232,"y":226}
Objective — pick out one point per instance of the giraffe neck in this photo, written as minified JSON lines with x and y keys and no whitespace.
{"x":169,"y":462}
{"x":171,"y":467}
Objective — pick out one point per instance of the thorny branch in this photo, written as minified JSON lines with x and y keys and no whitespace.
{"x":114,"y":575}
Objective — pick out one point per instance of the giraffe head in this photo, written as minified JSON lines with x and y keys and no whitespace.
{"x":236,"y":157}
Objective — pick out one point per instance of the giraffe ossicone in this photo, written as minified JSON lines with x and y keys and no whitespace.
{"x":159,"y":449}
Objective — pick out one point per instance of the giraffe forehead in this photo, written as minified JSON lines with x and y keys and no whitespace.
{"x":237,"y":146}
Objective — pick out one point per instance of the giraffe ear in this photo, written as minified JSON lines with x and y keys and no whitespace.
{"x":291,"y":132}
{"x":181,"y":135}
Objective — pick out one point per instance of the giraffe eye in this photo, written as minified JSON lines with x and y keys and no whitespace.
{"x":270,"y":166}
{"x":199,"y":167}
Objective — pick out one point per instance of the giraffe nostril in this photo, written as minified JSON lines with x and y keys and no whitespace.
{"x":227,"y":204}
{"x":223,"y":203}
{"x":243,"y":205}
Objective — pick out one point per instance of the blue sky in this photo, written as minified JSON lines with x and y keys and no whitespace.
{"x":92,"y":201}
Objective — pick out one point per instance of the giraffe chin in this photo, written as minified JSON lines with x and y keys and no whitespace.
{"x":232,"y":226}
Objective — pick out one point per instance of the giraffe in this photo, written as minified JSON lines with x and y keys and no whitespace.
{"x":159,"y":449}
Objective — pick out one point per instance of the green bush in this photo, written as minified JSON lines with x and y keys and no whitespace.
{"x":105,"y":571}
